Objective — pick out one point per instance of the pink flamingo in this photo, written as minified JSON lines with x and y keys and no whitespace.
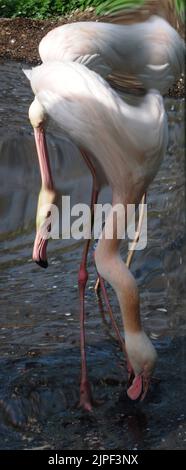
{"x":128,"y":144}
{"x":149,"y":54}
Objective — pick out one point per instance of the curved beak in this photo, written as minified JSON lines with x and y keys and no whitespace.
{"x":139,"y":386}
{"x":39,"y":251}
{"x":47,"y":196}
{"x":43,"y":223}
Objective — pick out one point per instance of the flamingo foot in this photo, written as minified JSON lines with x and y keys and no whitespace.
{"x":86,"y":401}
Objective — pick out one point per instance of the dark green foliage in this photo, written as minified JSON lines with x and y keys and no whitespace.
{"x":42,"y":8}
{"x":180,"y":7}
{"x":46,"y":8}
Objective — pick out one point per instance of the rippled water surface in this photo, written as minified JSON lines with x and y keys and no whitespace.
{"x":39,"y":322}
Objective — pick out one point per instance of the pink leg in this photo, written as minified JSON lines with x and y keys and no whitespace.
{"x":101,"y":281}
{"x":85,"y":390}
{"x":102,"y":311}
{"x":115,"y":328}
{"x":113,"y":321}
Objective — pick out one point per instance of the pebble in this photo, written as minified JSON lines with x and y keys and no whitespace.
{"x":161,"y":309}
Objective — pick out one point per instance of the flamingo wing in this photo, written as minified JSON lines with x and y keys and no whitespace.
{"x":126,"y":11}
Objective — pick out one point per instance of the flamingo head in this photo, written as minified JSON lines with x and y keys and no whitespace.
{"x":141,"y":362}
{"x":43,"y":225}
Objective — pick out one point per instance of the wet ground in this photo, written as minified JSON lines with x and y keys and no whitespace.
{"x":39,"y":334}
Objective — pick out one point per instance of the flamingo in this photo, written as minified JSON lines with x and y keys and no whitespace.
{"x":152,"y":52}
{"x":127,"y":143}
{"x":149,"y":54}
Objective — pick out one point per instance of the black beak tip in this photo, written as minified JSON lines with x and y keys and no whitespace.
{"x":43,"y":263}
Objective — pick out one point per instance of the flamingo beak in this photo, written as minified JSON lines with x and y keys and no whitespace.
{"x":43,"y":223}
{"x":47,"y":197}
{"x":138,"y":386}
{"x":39,"y":251}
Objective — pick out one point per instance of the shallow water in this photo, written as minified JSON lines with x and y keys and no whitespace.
{"x":39,"y":335}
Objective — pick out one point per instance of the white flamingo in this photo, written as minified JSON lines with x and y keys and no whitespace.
{"x":128,"y":144}
{"x":151,"y":52}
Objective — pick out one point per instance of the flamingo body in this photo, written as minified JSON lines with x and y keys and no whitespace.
{"x":80,"y":87}
{"x":151,"y":51}
{"x":128,"y":143}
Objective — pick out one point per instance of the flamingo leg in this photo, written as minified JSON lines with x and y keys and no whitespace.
{"x":102,"y":311}
{"x":100,"y":287}
{"x":101,"y":281}
{"x":121,"y":341}
{"x":85,"y":389}
{"x":109,"y":309}
{"x":131,"y":252}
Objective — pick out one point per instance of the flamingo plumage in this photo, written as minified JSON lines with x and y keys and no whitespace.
{"x":128,"y":143}
{"x":152,"y":52}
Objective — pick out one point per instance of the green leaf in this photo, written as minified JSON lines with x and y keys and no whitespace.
{"x":112,"y":6}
